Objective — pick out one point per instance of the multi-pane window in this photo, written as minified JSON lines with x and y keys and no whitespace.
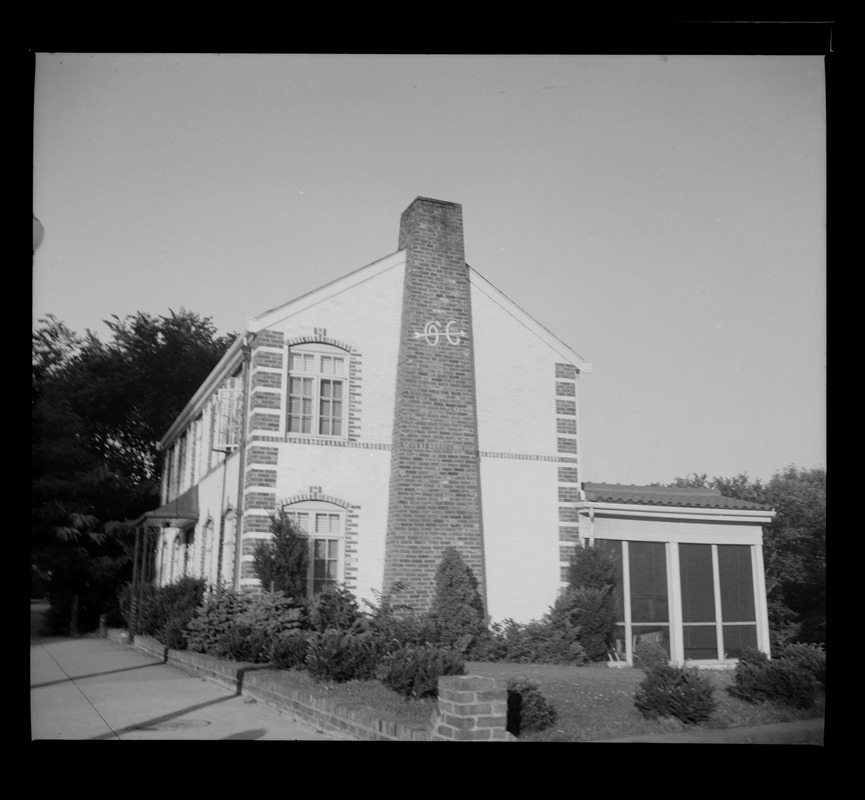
{"x":317,"y":383}
{"x":324,"y":528}
{"x":228,"y":415}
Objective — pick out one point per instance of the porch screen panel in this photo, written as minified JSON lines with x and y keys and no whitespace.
{"x":737,"y":583}
{"x":701,"y":641}
{"x":698,"y":602}
{"x":738,"y":637}
{"x":698,"y":584}
{"x":648,"y":571}
{"x":614,"y":548}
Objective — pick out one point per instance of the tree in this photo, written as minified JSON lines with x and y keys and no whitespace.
{"x":457,"y":608}
{"x":794,"y":546}
{"x":98,"y":411}
{"x":281,"y":562}
{"x":588,"y":605}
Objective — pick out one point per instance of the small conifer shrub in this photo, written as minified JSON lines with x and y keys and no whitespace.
{"x":528,"y":709}
{"x":289,"y":650}
{"x":414,"y":671}
{"x":457,"y":607}
{"x":781,"y":682}
{"x":679,"y":692}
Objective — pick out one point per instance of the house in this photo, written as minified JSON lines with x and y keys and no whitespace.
{"x":410,"y":406}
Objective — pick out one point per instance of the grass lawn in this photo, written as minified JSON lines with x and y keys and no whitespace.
{"x":592,"y":703}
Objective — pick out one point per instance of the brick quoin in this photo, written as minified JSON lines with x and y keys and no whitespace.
{"x":434,"y":498}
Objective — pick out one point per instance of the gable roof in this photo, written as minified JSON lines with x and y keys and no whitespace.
{"x":685,"y":497}
{"x":358,"y":276}
{"x":527,"y":320}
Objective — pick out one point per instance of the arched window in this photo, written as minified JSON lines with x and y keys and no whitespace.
{"x":324,"y":525}
{"x":317,"y":390}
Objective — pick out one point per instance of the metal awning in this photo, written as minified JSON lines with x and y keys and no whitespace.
{"x":182,"y":512}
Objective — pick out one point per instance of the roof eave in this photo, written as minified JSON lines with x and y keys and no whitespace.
{"x":754,"y":516}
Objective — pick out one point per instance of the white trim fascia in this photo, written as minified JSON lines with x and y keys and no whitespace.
{"x":316,"y":296}
{"x":550,"y":339}
{"x":226,"y":365}
{"x":754,"y":516}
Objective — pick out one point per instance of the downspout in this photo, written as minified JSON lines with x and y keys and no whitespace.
{"x":238,"y":525}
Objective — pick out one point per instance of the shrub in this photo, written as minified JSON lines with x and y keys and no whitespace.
{"x":457,"y":607}
{"x":528,"y":709}
{"x":414,"y":671}
{"x":539,"y":642}
{"x":650,"y":654}
{"x":165,"y":611}
{"x":268,"y":613}
{"x":591,"y":568}
{"x":781,"y":682}
{"x":809,"y":657}
{"x":334,"y":608}
{"x":679,"y":692}
{"x":751,"y":655}
{"x":281,"y":562}
{"x":397,"y":625}
{"x":340,"y":656}
{"x":289,"y":650}
{"x":592,"y":612}
{"x":213,"y":619}
{"x":243,"y":642}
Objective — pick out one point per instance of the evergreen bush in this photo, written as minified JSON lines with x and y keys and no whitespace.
{"x":267,"y":613}
{"x":528,"y":709}
{"x":679,"y":692}
{"x":289,"y":650}
{"x":591,"y":567}
{"x":165,"y":611}
{"x":243,"y":641}
{"x":281,"y":562}
{"x":751,"y":655}
{"x":650,"y":654}
{"x":592,"y":612}
{"x":807,"y":656}
{"x":334,"y":608}
{"x":340,"y":656}
{"x":538,"y":642}
{"x":457,"y":607}
{"x":414,"y":671}
{"x":781,"y":682}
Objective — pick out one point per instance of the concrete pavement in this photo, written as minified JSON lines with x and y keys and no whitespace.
{"x":95,"y":688}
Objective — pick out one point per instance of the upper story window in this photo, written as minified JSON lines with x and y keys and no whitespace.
{"x":317,"y":389}
{"x":228,"y":415}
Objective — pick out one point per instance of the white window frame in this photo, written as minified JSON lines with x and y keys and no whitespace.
{"x":317,"y":355}
{"x":305,"y":515}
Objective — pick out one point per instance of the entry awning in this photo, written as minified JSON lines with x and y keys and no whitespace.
{"x":182,"y":512}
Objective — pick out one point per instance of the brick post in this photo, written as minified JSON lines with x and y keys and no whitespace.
{"x":471,"y":709}
{"x":434,"y":498}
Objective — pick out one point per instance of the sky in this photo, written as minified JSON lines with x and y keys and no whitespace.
{"x":665,"y":216}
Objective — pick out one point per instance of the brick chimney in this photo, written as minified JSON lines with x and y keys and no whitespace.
{"x":435,"y":498}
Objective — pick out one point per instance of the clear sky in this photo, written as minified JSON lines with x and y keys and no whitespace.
{"x":665,"y":216}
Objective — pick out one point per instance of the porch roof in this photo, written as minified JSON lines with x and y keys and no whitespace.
{"x":182,"y":512}
{"x":685,"y":497}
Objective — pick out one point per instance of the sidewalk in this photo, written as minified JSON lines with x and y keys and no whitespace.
{"x":92,"y":688}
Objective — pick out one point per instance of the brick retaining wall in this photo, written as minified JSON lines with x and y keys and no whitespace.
{"x":470,"y":708}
